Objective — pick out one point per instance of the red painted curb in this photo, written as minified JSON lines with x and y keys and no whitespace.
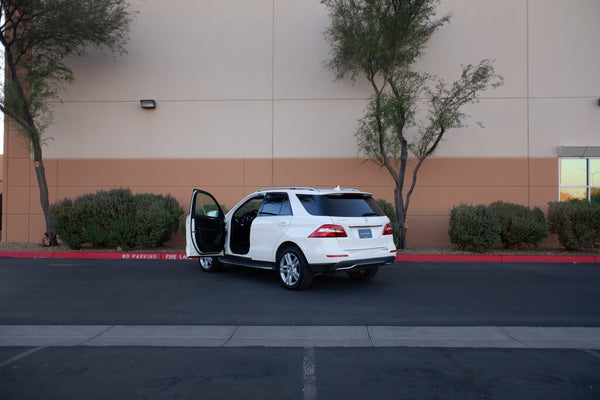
{"x":22,"y":254}
{"x":121,"y":255}
{"x":449,"y":257}
{"x":94,"y":255}
{"x":551,"y":259}
{"x":495,"y":258}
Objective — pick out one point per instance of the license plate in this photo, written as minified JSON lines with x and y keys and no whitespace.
{"x":365,"y":234}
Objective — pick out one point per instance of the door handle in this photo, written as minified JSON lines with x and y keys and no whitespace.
{"x":281,"y":224}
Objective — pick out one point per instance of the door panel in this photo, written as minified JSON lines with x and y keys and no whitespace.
{"x":265,"y":234}
{"x":206,"y":224}
{"x":274,"y":218}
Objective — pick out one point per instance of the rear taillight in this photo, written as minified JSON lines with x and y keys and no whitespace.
{"x":329,"y":231}
{"x":387,"y":230}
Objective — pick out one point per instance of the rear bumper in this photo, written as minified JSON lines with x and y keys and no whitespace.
{"x":348,"y":265}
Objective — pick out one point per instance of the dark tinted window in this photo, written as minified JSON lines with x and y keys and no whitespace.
{"x":347,"y":205}
{"x":252,"y":205}
{"x":276,"y":204}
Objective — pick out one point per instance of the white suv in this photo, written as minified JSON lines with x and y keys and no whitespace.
{"x":298,"y":232}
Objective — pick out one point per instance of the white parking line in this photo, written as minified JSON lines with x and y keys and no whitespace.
{"x":309,"y":380}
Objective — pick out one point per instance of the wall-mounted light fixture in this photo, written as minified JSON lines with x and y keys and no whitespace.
{"x":148,"y":104}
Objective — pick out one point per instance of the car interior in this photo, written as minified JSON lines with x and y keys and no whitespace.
{"x":241,"y":223}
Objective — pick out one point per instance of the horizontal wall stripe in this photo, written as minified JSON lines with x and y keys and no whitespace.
{"x":442,"y":184}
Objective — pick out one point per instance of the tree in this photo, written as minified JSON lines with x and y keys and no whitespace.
{"x":38,"y":37}
{"x":380,"y":40}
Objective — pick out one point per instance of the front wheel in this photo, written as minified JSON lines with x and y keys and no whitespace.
{"x":209,"y":264}
{"x":363,"y":274}
{"x":293,"y":269}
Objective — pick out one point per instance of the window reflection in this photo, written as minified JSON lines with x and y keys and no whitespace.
{"x":567,"y":194}
{"x":573,"y":172}
{"x":595,"y":172}
{"x":276,"y":204}
{"x":580,"y":179}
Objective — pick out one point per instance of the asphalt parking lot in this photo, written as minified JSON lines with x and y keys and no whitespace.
{"x":298,"y":373}
{"x":163,"y":329}
{"x":134,"y":292}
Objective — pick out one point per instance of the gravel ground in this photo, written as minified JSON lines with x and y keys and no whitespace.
{"x":180,"y":248}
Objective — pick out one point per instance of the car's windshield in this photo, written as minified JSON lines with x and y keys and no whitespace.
{"x":345,"y":205}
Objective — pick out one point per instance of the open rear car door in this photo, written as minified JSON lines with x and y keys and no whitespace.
{"x":205,"y":226}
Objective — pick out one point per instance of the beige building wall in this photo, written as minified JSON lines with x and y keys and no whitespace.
{"x":243,"y":102}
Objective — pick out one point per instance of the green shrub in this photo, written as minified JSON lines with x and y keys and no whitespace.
{"x":390,"y":212}
{"x":577,"y":224}
{"x":107,"y":218}
{"x":520,"y":225}
{"x":156,"y":218}
{"x":594,"y":196}
{"x":67,"y":224}
{"x":116,"y":218}
{"x":474,"y":228}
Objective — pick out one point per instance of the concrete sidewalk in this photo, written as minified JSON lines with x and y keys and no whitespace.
{"x":300,"y":336}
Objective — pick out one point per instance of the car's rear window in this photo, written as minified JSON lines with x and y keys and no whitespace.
{"x":345,"y":205}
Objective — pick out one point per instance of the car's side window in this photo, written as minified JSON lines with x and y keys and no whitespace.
{"x":276,"y":204}
{"x":205,"y":206}
{"x":251,"y":206}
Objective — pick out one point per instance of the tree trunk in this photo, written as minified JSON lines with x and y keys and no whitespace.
{"x":44,"y":200}
{"x":401,"y":217}
{"x":401,"y":208}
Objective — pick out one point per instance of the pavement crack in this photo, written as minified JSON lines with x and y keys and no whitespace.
{"x":82,"y":343}
{"x":235,"y":328}
{"x":370,"y":337}
{"x":513,"y":338}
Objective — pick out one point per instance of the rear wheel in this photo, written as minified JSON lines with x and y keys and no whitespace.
{"x":293,"y":269}
{"x":363,"y":274}
{"x":210,"y":264}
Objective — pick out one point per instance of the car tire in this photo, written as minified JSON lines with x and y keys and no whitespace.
{"x":293,"y":269}
{"x":209,"y":264}
{"x":363,"y":274}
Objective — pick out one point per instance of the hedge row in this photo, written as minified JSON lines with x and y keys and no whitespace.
{"x":519,"y":224}
{"x":480,"y":228}
{"x":116,"y":218}
{"x":577,"y":224}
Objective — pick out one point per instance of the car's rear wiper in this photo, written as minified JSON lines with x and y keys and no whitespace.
{"x":371,"y":214}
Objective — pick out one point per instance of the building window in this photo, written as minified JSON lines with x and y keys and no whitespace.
{"x":580,"y":179}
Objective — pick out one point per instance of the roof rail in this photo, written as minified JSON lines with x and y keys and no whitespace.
{"x":287,"y":188}
{"x":346,"y":189}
